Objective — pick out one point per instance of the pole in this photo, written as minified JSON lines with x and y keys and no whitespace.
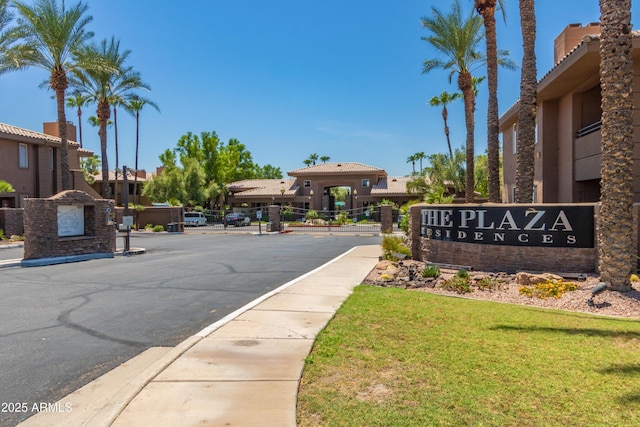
{"x":125,"y":183}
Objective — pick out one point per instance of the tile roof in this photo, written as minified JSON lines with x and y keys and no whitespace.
{"x":391,"y":186}
{"x":263,"y":187}
{"x":130,"y":176}
{"x":343,"y":168}
{"x":27,"y":135}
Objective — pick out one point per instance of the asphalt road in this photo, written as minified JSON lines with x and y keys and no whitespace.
{"x":61,"y":326}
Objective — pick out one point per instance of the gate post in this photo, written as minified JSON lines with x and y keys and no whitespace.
{"x":386,"y":219}
{"x":274,"y":217}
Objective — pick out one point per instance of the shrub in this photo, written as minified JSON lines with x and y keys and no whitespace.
{"x":463,"y":274}
{"x":157,"y":228}
{"x":393,"y":244}
{"x":148,"y":227}
{"x":431,"y":271}
{"x":2,"y":236}
{"x":487,"y":284}
{"x":634,"y":278}
{"x":17,"y":238}
{"x":311,"y":215}
{"x":458,"y":284}
{"x":548,"y":289}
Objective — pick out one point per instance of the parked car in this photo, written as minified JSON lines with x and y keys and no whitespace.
{"x":237,"y":219}
{"x":194,"y":219}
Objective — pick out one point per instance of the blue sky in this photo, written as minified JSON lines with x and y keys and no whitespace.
{"x":289,"y":78}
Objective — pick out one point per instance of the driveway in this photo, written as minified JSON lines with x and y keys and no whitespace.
{"x":62,"y":326}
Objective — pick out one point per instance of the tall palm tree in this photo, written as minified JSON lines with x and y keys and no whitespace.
{"x":96,"y":85}
{"x":420,"y":156}
{"x":135,"y":105}
{"x":456,"y":38}
{"x":526,"y":135}
{"x":442,"y":100}
{"x":50,"y":36}
{"x":77,"y":101}
{"x":314,"y":158}
{"x":325,"y":159}
{"x":615,"y":243}
{"x":487,"y":9}
{"x":412,"y":159}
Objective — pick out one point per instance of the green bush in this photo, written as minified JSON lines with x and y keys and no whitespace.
{"x":2,"y":236}
{"x":463,"y":274}
{"x":431,"y":271}
{"x":157,"y":228}
{"x":148,"y":227}
{"x":458,"y":284}
{"x":393,"y":244}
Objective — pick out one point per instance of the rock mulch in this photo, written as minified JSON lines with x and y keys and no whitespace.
{"x":407,"y":275}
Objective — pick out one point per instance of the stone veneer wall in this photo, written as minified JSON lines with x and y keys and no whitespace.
{"x":41,"y":227}
{"x":11,"y":221}
{"x":501,"y":257}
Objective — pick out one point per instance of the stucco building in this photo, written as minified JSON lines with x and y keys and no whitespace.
{"x":310,"y":188}
{"x":568,"y":145}
{"x":30,"y":162}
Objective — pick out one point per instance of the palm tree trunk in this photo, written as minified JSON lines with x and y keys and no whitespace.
{"x":445,"y":116}
{"x":526,"y":134}
{"x":115,"y":130}
{"x":80,"y":124}
{"x":465,"y":84}
{"x":59,"y":84}
{"x":493,"y":156}
{"x":135,"y":178}
{"x":103,"y":114}
{"x":616,"y":254}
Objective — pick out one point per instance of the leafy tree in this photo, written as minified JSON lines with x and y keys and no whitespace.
{"x":90,"y":167}
{"x":526,"y":135}
{"x":482,"y":172}
{"x":616,"y":251}
{"x":447,"y":172}
{"x":49,"y":38}
{"x":268,"y":172}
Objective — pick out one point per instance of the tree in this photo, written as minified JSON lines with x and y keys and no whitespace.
{"x":412,"y":159}
{"x":135,"y":105}
{"x":77,"y":101}
{"x":457,"y":38}
{"x":49,"y":38}
{"x":526,"y":135}
{"x":420,"y":156}
{"x":616,"y":253}
{"x":446,"y":171}
{"x":90,"y":167}
{"x":443,"y":100}
{"x":487,"y":9}
{"x":314,"y":158}
{"x":7,"y":35}
{"x":325,"y":159}
{"x":97,"y":85}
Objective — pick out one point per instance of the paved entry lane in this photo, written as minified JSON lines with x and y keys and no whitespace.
{"x":61,"y":326}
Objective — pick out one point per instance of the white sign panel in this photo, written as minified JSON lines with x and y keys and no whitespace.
{"x":70,"y":221}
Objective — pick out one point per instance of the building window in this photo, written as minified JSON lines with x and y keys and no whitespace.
{"x":515,"y":138}
{"x":52,"y":159}
{"x":535,"y":193}
{"x":307,"y":183}
{"x":365,"y":182}
{"x":23,"y":156}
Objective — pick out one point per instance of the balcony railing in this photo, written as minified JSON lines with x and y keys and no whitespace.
{"x":593,"y":127}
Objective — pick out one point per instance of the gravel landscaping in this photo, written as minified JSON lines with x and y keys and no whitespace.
{"x":506,"y":289}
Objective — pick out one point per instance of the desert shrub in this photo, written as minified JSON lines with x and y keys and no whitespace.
{"x":157,"y":228}
{"x":458,"y":284}
{"x":548,"y":289}
{"x":2,"y":236}
{"x":463,"y":274}
{"x":487,"y":284}
{"x":148,"y":227}
{"x":393,"y":244}
{"x":431,"y":271}
{"x":311,"y":215}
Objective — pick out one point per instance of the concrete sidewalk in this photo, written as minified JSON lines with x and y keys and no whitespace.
{"x":241,"y":371}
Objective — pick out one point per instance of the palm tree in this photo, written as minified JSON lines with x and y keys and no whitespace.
{"x":49,"y":38}
{"x":314,"y":158}
{"x":457,"y":39}
{"x":526,"y":135}
{"x":96,"y":85}
{"x":135,"y":105}
{"x":325,"y":159}
{"x":615,"y":243}
{"x":7,"y":35}
{"x":412,"y":159}
{"x":442,"y":100}
{"x":77,"y":101}
{"x":307,"y":162}
{"x":487,"y":9}
{"x":420,"y":156}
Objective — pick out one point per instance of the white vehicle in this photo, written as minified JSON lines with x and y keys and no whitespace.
{"x":194,"y":219}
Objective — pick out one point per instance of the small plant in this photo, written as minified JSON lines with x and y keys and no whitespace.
{"x":487,"y":284}
{"x":157,"y":228}
{"x":463,"y":274}
{"x":458,"y":284}
{"x":385,"y":277}
{"x":431,"y":271}
{"x":17,"y":238}
{"x":2,"y":236}
{"x":548,"y":289}
{"x":634,"y":278}
{"x":148,"y":227}
{"x":393,"y":245}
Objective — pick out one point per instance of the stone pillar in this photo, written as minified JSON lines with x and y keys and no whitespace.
{"x":386,"y":219}
{"x":274,"y":217}
{"x":414,"y":231}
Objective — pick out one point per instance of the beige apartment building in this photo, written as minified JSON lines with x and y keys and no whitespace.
{"x":30,"y":162}
{"x":568,"y":144}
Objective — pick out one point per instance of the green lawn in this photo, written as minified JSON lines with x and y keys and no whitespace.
{"x":392,"y":357}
